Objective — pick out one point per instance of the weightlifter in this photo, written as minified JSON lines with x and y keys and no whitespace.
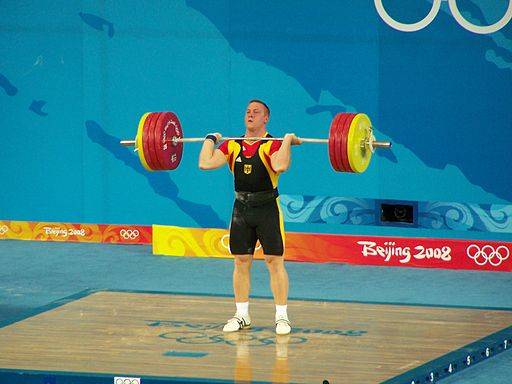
{"x":256,"y":166}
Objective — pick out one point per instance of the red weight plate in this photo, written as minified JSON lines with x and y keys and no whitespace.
{"x":159,"y":140}
{"x":153,"y":140}
{"x":332,"y":140}
{"x":169,"y":153}
{"x":336,"y":137}
{"x":344,"y":142}
{"x":146,"y":140}
{"x":161,"y":146}
{"x":334,"y":123}
{"x":337,"y":140}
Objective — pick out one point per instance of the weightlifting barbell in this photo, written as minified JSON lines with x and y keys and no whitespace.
{"x":351,"y":143}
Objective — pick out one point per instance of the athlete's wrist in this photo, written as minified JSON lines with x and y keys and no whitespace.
{"x":212,"y":138}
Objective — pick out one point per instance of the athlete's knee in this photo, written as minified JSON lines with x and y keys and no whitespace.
{"x":274,"y":263}
{"x":243,"y":261}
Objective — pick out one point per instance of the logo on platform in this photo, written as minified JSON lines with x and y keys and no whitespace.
{"x":4,"y":229}
{"x":436,"y":5}
{"x":127,"y":380}
{"x":488,"y":254}
{"x":208,"y":333}
{"x":129,"y":234}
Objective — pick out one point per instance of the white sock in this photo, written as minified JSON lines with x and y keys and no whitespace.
{"x":242,"y":309}
{"x":281,"y":310}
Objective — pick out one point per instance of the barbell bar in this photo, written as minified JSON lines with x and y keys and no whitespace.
{"x":351,"y":143}
{"x":375,"y":144}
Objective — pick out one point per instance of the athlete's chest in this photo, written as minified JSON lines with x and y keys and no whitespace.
{"x":249,"y":150}
{"x":248,"y":161}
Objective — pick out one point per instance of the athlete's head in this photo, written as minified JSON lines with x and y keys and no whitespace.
{"x":256,"y":115}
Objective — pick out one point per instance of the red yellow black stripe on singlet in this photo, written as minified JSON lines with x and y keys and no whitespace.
{"x":233,"y":152}
{"x":263,"y":152}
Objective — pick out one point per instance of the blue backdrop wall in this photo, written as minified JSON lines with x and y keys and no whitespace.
{"x":75,"y":77}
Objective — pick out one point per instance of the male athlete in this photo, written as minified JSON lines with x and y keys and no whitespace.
{"x":256,"y":166}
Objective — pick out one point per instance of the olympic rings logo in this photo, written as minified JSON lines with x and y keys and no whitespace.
{"x":4,"y":229}
{"x":126,"y":380}
{"x":487,"y":254}
{"x":129,"y":234}
{"x":436,"y":5}
{"x":225,"y":243}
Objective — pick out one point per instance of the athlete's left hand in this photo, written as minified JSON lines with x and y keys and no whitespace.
{"x":294,"y":140}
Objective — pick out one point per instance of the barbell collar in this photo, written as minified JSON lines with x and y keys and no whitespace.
{"x":381,"y":144}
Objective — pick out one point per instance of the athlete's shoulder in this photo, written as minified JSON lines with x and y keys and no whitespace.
{"x":272,"y":146}
{"x":228,"y":146}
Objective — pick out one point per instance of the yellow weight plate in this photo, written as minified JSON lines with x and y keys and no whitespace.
{"x":359,"y":156}
{"x":138,"y":142}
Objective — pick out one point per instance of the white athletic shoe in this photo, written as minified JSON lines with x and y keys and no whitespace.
{"x":237,"y":323}
{"x":283,"y":326}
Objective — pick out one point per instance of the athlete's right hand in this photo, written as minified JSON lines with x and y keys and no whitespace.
{"x":216,"y":134}
{"x":215,"y":137}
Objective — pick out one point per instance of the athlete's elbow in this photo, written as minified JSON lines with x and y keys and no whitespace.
{"x":280,"y":168}
{"x":204,"y":165}
{"x":281,"y":164}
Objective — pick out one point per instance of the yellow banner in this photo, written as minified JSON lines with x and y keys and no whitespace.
{"x":199,"y":242}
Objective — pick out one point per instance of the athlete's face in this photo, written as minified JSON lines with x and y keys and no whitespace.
{"x":255,"y":116}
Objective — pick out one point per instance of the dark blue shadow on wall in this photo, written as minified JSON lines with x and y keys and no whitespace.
{"x":332,"y":109}
{"x":438,"y":94}
{"x":37,"y":107}
{"x":388,"y":154}
{"x":160,"y":182}
{"x":8,"y":87}
{"x":97,"y":23}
